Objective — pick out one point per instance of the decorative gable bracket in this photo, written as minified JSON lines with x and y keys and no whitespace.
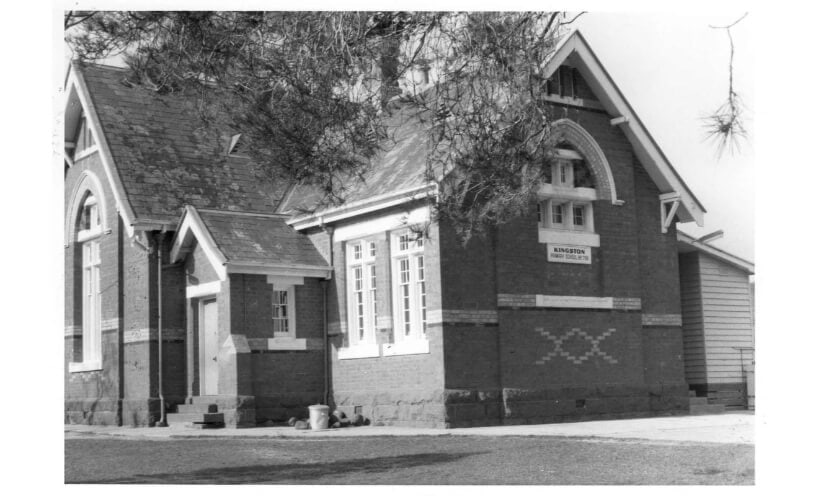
{"x":669,"y":204}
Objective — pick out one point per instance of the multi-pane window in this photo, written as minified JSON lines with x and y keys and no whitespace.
{"x":362,"y":291}
{"x":421,"y":291}
{"x":373,"y":288}
{"x":358,"y":295}
{"x":89,"y":221}
{"x":556,"y":213}
{"x":579,"y":216}
{"x":91,"y":303}
{"x":570,"y":192}
{"x":283,"y":312}
{"x":90,"y":214}
{"x":409,"y":285}
{"x":88,"y":235}
{"x":405,"y":295}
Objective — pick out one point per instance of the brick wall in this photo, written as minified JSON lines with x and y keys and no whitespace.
{"x":125,"y":390}
{"x":174,"y":322}
{"x":93,"y":396}
{"x":283,"y":383}
{"x":395,"y":390}
{"x":548,"y":364}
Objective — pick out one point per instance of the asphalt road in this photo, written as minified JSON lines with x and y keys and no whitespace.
{"x":404,"y":460}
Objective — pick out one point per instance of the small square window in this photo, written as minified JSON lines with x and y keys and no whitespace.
{"x":371,"y":249}
{"x":356,"y":251}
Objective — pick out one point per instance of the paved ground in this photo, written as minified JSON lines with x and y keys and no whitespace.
{"x":734,"y":428}
{"x":417,"y":460}
{"x":711,"y":450}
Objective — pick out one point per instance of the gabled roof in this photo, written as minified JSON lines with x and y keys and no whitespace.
{"x":161,"y":157}
{"x":574,"y":49}
{"x":248,"y":243}
{"x":688,"y":243}
{"x":398,"y":175}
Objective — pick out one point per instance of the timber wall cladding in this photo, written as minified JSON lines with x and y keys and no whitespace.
{"x":717,"y":316}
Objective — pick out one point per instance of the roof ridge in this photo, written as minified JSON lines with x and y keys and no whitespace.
{"x":240,"y":212}
{"x":96,"y":64}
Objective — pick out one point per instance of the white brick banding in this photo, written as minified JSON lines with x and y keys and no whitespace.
{"x":661,"y":319}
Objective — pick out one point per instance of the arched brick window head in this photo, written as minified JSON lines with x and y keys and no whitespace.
{"x":568,"y":131}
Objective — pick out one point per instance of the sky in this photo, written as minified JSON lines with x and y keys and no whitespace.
{"x":673,"y":70}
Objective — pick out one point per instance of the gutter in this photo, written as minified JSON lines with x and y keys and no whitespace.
{"x":362,"y":207}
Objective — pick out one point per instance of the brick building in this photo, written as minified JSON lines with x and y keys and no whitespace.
{"x":194,"y":283}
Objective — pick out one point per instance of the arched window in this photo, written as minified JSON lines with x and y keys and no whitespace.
{"x":568,"y":194}
{"x":577,"y":175}
{"x":88,"y":234}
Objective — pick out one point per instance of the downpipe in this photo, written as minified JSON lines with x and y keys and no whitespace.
{"x":325,"y":286}
{"x":159,"y":239}
{"x":326,"y":343}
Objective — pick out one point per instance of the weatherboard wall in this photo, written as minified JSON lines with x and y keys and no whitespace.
{"x":718,"y":326}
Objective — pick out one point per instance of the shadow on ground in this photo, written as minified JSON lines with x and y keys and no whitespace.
{"x":283,"y":472}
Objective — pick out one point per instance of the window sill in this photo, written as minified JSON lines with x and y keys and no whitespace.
{"x":359,"y":351}
{"x":286,"y":343}
{"x":84,"y":366}
{"x":564,"y":237}
{"x":567,"y":193}
{"x":408,"y":347}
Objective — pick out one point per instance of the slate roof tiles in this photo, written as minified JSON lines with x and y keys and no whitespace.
{"x":259,"y":239}
{"x":164,"y":158}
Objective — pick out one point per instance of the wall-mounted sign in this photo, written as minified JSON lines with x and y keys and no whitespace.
{"x":569,"y":254}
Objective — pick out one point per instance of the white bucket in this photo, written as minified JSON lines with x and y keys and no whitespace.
{"x":319,"y":417}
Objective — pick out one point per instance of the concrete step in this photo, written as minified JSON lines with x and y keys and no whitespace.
{"x":701,"y":400}
{"x":195,"y":417}
{"x":197,"y":408}
{"x":706,"y":409}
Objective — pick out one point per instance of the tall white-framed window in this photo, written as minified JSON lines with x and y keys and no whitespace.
{"x":409,"y":286}
{"x":565,"y":213}
{"x":88,"y":235}
{"x":362,"y":292}
{"x":283,"y":311}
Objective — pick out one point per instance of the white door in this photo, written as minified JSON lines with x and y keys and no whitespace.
{"x":209,"y":348}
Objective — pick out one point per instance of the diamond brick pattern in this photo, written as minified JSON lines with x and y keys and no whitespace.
{"x":560,"y":340}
